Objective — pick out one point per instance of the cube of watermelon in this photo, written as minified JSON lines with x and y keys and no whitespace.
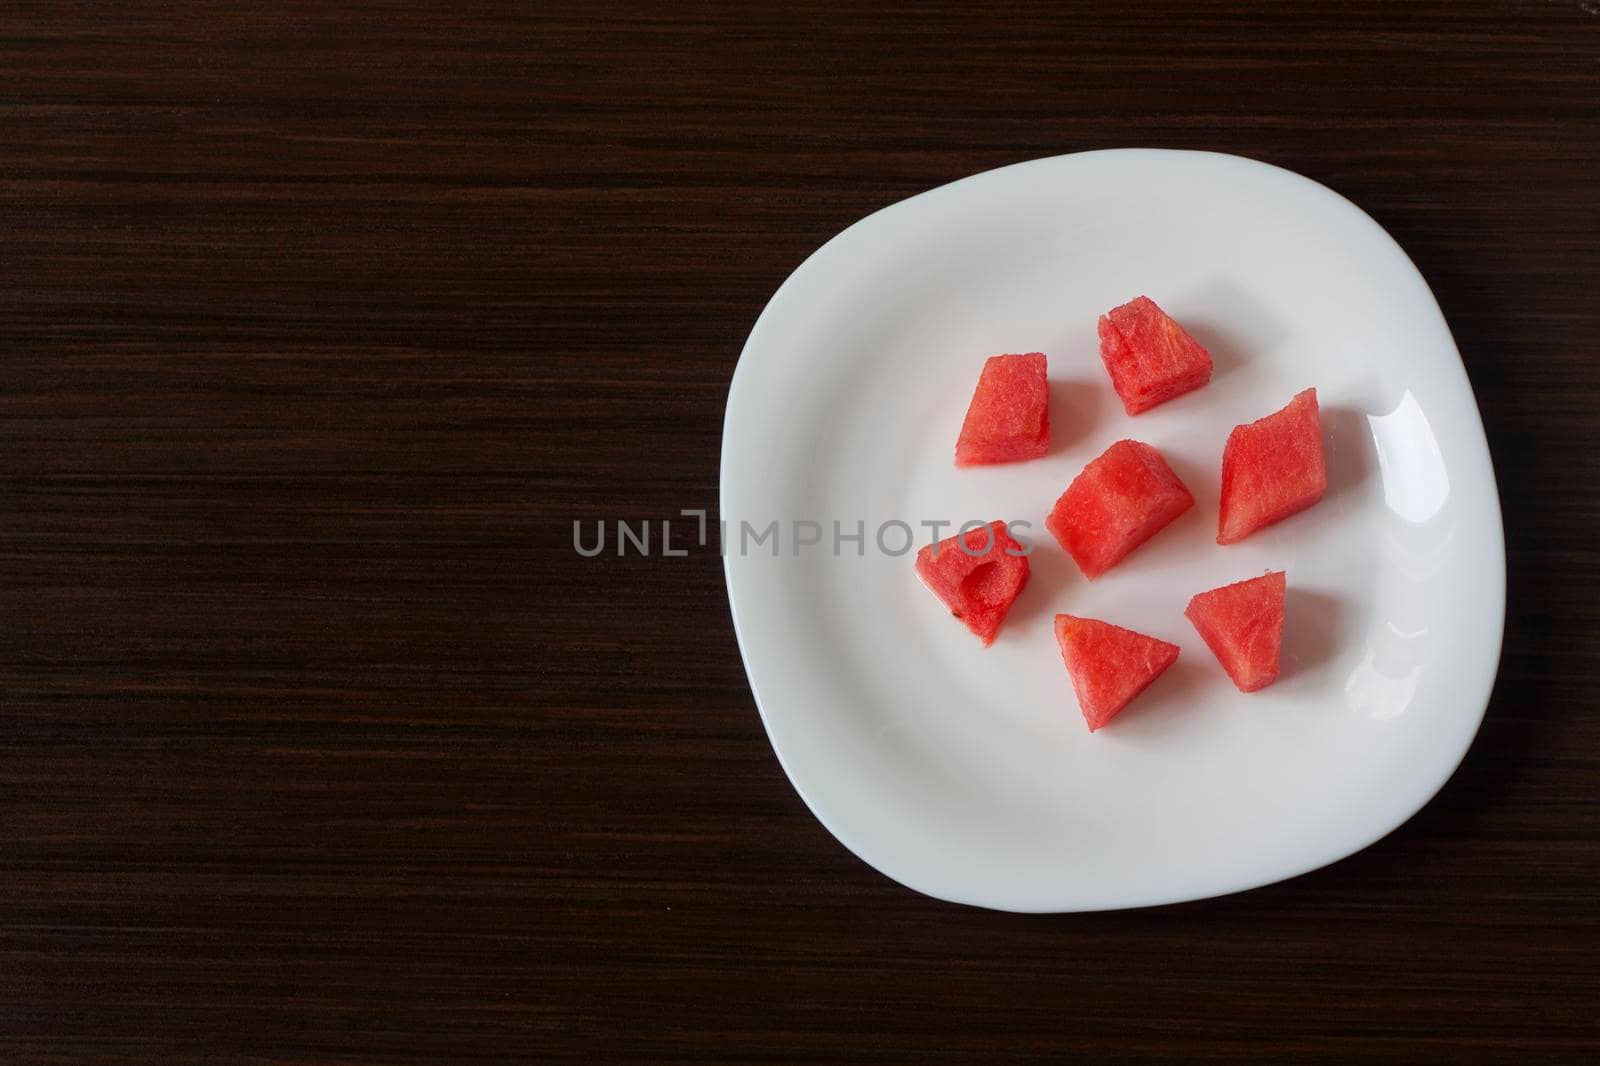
{"x":978,"y":584}
{"x":1009,"y":417}
{"x":1118,"y":502}
{"x":1150,"y":358}
{"x":1272,"y":468}
{"x":1109,"y":665}
{"x":1242,"y":624}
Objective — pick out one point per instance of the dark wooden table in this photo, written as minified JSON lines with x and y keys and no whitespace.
{"x":319,"y":328}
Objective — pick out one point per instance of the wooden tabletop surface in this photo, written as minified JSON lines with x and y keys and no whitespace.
{"x":319,"y":327}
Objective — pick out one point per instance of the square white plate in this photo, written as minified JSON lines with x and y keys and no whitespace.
{"x":967,"y":773}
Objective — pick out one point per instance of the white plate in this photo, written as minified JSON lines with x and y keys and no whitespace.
{"x":966,"y":773}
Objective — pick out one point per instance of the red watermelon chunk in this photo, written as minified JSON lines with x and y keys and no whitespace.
{"x":978,"y":584}
{"x":1150,"y":358}
{"x":1109,"y":665}
{"x":1009,"y":417}
{"x":1119,"y":501}
{"x":1272,"y":468}
{"x":1242,"y":624}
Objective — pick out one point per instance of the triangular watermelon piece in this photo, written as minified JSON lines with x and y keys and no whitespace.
{"x":1109,"y":665}
{"x":1120,"y":500}
{"x":1009,"y":417}
{"x":978,"y":584}
{"x":1242,"y":624}
{"x":1272,"y":468}
{"x":1151,"y":359}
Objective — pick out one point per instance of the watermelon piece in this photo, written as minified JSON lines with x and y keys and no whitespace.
{"x":1109,"y":665}
{"x":1009,"y":417}
{"x":1119,"y":501}
{"x":1150,"y":358}
{"x":978,"y":584}
{"x":1242,"y":624}
{"x":1271,"y":469}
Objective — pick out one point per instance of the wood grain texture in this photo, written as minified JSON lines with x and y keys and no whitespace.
{"x":319,"y":326}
